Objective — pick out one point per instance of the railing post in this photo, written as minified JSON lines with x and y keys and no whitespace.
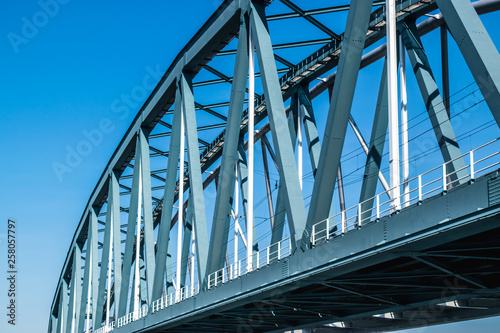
{"x":327,"y":229}
{"x":444,"y":177}
{"x":268,"y":254}
{"x":378,"y":206}
{"x":419,"y":188}
{"x":258,"y":259}
{"x":279,"y":250}
{"x":472,"y":176}
{"x":359,"y":215}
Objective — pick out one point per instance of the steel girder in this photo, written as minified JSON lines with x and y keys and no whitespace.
{"x":276,"y":112}
{"x":376,"y":149}
{"x":199,"y":218}
{"x":477,"y":48}
{"x":338,"y":115}
{"x":168,"y":199}
{"x":434,"y":103}
{"x":223,"y":204}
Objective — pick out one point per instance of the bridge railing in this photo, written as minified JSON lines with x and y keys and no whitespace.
{"x":133,"y":316}
{"x":106,"y":328}
{"x":479,"y":161}
{"x":175,"y":297}
{"x":262,"y":258}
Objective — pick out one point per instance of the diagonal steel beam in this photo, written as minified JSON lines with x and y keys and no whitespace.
{"x":375,"y":149}
{"x":195,"y":180}
{"x":149,"y":241}
{"x":277,"y":118}
{"x":168,"y":199}
{"x":129,"y":241}
{"x":477,"y":49}
{"x":338,"y":115}
{"x":325,"y":10}
{"x":434,"y":103}
{"x":222,"y":208}
{"x":309,"y":18}
{"x":442,"y":268}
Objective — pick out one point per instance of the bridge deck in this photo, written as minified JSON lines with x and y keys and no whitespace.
{"x":400,"y":263}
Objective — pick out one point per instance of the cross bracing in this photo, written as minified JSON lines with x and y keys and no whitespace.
{"x":186,"y":212}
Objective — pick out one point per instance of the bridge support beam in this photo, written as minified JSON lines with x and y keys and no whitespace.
{"x":338,"y":115}
{"x":195,"y":180}
{"x":477,"y":48}
{"x":105,"y":262}
{"x":114,"y":200}
{"x":300,"y":99}
{"x":90,"y":270}
{"x":168,"y":199}
{"x":243,"y":180}
{"x":222,"y":210}
{"x":149,"y":241}
{"x":62,"y":312}
{"x":280,"y":211}
{"x":141,"y":193}
{"x":434,"y":103}
{"x":276,"y":111}
{"x":376,"y":148}
{"x":74,"y":294}
{"x":310,"y":128}
{"x":186,"y":241}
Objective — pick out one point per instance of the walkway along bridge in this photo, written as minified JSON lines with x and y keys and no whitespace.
{"x":172,"y":240}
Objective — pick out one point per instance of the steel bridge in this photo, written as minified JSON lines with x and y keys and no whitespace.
{"x":195,"y":225}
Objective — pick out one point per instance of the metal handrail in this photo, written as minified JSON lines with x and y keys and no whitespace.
{"x":267,"y":256}
{"x":133,"y":316}
{"x":175,"y":297}
{"x":330,"y":227}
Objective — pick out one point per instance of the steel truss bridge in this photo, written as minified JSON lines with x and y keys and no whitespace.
{"x":172,"y":240}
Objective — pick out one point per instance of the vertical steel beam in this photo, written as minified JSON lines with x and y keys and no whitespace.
{"x":149,"y":241}
{"x":143,"y":278}
{"x":105,"y":257}
{"x":180,"y":211}
{"x":477,"y":49}
{"x":376,"y":148}
{"x":74,"y":296}
{"x":268,"y":183}
{"x":445,"y":69}
{"x":310,"y":129}
{"x":52,"y":324}
{"x":251,"y":146}
{"x":392,"y":83}
{"x":404,"y":124}
{"x":62,"y":312}
{"x":280,"y":211}
{"x":243,"y":179}
{"x":195,"y":180}
{"x":86,"y":284}
{"x":114,"y":200}
{"x":186,"y":242}
{"x":222,"y":208}
{"x":296,"y":211}
{"x":434,"y":103}
{"x":95,"y":265}
{"x":132,"y":300}
{"x":338,"y":115}
{"x":130,"y":238}
{"x":168,"y":199}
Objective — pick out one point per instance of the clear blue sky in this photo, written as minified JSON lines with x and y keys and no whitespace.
{"x":59,"y":79}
